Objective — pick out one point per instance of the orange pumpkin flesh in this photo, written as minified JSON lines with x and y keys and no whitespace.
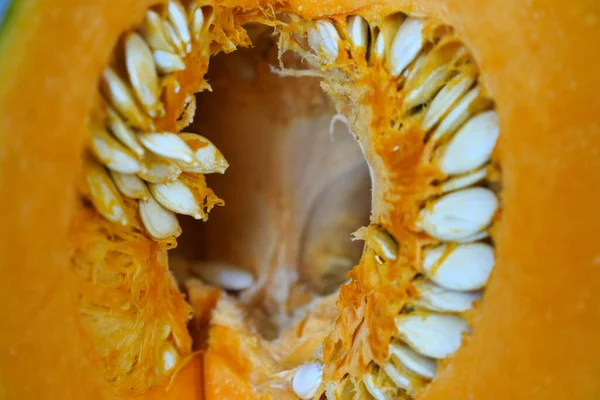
{"x":536,"y":336}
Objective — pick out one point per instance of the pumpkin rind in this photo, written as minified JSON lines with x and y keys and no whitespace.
{"x":539,"y":321}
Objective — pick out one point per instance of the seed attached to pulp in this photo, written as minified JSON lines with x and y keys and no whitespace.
{"x":130,"y":185}
{"x":463,"y":181}
{"x":471,"y":146}
{"x":159,"y":170}
{"x":224,"y":275}
{"x":437,"y":298}
{"x":174,"y":38}
{"x":459,"y":215}
{"x":119,"y":95}
{"x":209,"y":159}
{"x":459,"y":114}
{"x":111,"y":153}
{"x":177,"y":197}
{"x":324,"y":40}
{"x":445,"y":98}
{"x":153,"y":31}
{"x":433,"y":335}
{"x":142,"y":74}
{"x":158,"y":221}
{"x":307,"y":380}
{"x":465,"y":267}
{"x":413,"y":361}
{"x":104,"y":195}
{"x":406,"y":45}
{"x":358,"y":30}
{"x":373,"y":388}
{"x":383,"y":244}
{"x":168,"y":62}
{"x":399,"y":378}
{"x":179,"y":21}
{"x":168,"y":145}
{"x":119,"y":128}
{"x":169,"y":358}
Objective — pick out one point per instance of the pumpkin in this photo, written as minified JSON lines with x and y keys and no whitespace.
{"x":477,"y":121}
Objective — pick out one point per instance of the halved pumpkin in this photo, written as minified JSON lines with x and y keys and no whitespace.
{"x":534,"y":333}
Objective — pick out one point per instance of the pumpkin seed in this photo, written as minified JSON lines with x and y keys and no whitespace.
{"x":435,"y":298}
{"x":224,"y":275}
{"x":119,"y":95}
{"x":170,"y":357}
{"x":460,"y":214}
{"x":465,"y":267}
{"x":373,"y":388}
{"x":463,"y":181}
{"x":153,"y":31}
{"x":104,"y":195}
{"x":142,"y":74}
{"x":324,"y":39}
{"x":471,"y":146}
{"x":174,"y":38}
{"x":406,"y":45}
{"x":432,"y":335}
{"x":167,"y":62}
{"x":399,"y":378}
{"x":209,"y":159}
{"x":130,"y":185}
{"x":159,"y":170}
{"x":158,"y":221}
{"x":383,"y":244}
{"x":177,"y":197}
{"x":413,"y":361}
{"x":168,"y":145}
{"x":176,"y":14}
{"x":119,"y":128}
{"x":307,"y":380}
{"x":358,"y":31}
{"x":459,"y":114}
{"x":111,"y":153}
{"x":445,"y":98}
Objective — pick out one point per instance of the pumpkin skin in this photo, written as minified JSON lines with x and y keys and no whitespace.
{"x":539,"y":322}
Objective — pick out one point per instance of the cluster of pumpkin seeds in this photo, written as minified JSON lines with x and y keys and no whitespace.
{"x":159,"y":170}
{"x":440,"y":90}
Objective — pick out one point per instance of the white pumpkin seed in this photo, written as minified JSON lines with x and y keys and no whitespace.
{"x":158,"y":221}
{"x":111,"y":153}
{"x":142,"y":74}
{"x":153,"y":31}
{"x":307,"y":380}
{"x":413,"y":361}
{"x":167,"y":62}
{"x":445,"y":98}
{"x":423,"y":91}
{"x":224,"y":275}
{"x":374,"y":389}
{"x":459,"y":114}
{"x":406,"y":45}
{"x":399,"y":378}
{"x":324,"y":39}
{"x":169,"y":358}
{"x":119,"y":95}
{"x":168,"y":145}
{"x":104,"y":196}
{"x":119,"y":128}
{"x":159,"y":170}
{"x":462,"y":181}
{"x":177,"y":17}
{"x":174,"y":38}
{"x":177,"y":197}
{"x":465,"y":267}
{"x":471,"y":146}
{"x":209,"y":159}
{"x":460,"y":214}
{"x":130,"y":185}
{"x":358,"y":31}
{"x":437,"y":298}
{"x":432,"y":335}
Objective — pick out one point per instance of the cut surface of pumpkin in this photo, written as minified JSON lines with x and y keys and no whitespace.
{"x":288,"y":200}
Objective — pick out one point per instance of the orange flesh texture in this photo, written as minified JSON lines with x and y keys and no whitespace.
{"x":537,"y":334}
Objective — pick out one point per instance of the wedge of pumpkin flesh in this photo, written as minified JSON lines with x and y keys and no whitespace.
{"x":358,"y":272}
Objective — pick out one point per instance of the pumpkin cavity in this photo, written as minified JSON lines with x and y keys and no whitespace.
{"x":424,"y":205}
